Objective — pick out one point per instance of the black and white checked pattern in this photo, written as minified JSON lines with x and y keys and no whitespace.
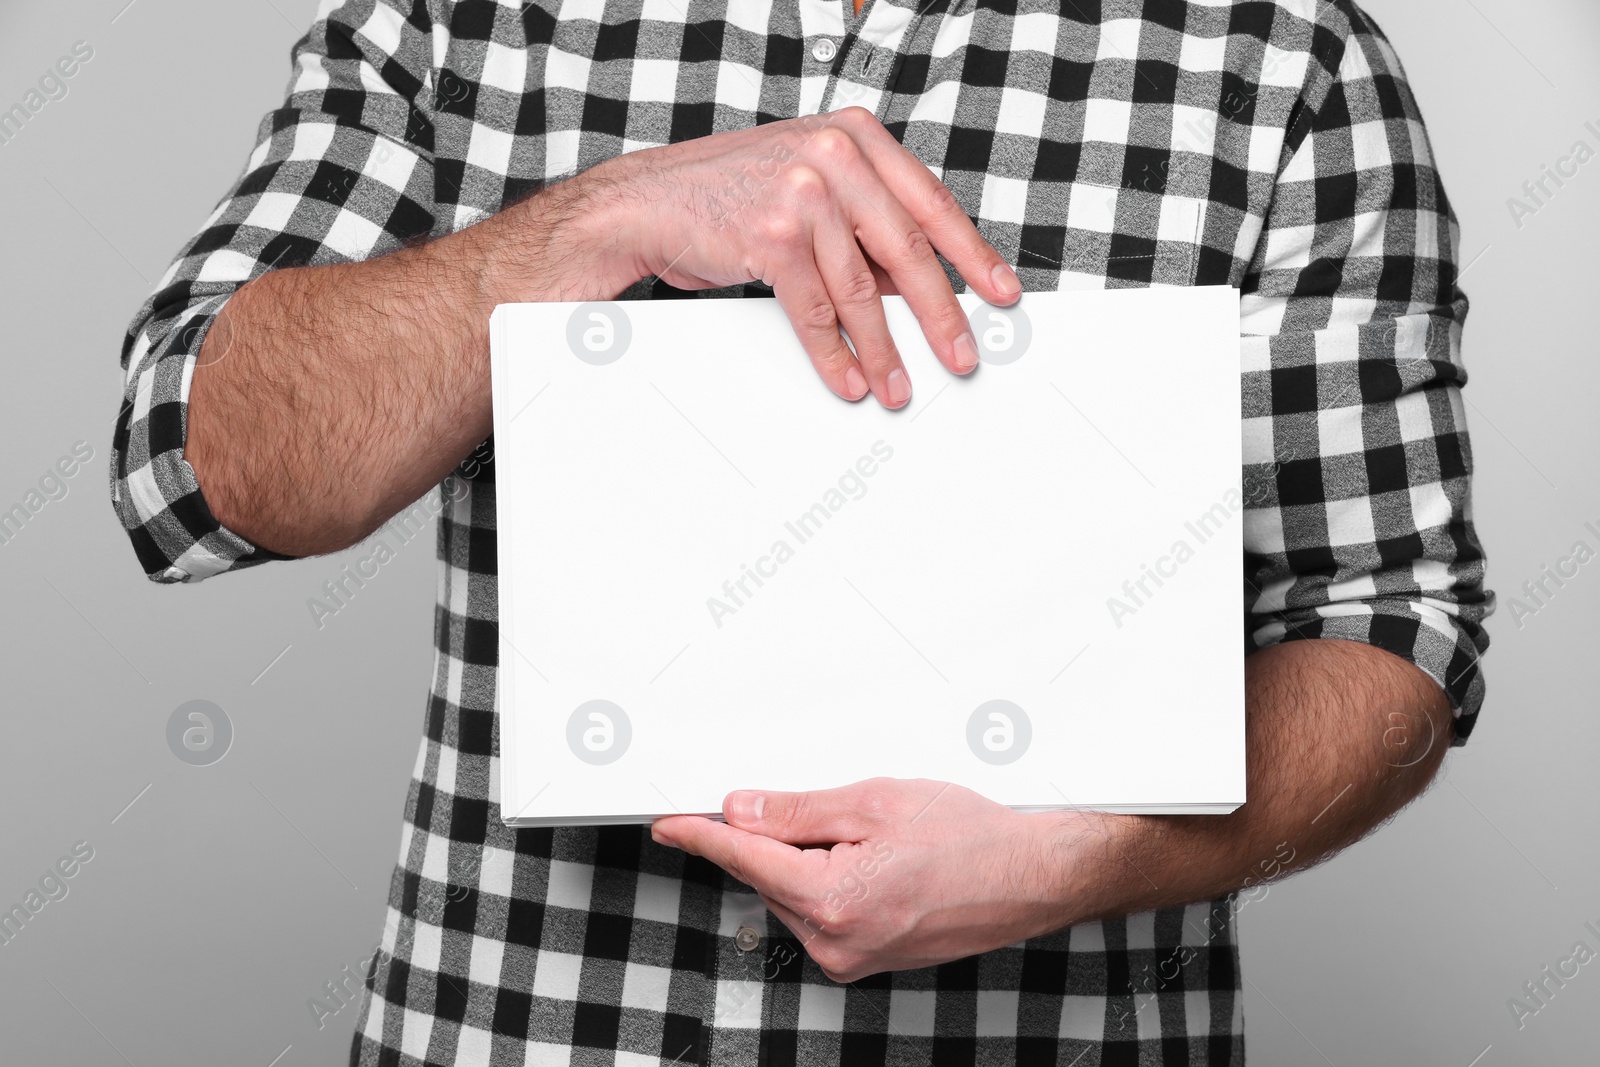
{"x":1272,"y":146}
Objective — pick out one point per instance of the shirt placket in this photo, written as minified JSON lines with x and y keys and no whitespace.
{"x":864,"y":59}
{"x":822,"y":30}
{"x":739,"y":982}
{"x":846,"y":63}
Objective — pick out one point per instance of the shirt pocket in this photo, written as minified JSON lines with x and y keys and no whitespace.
{"x":1087,"y":235}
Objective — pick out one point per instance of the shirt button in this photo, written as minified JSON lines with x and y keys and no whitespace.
{"x":824,"y":49}
{"x":747,"y":938}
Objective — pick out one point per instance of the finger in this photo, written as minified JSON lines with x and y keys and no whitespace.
{"x":886,"y":284}
{"x":856,"y":300}
{"x":934,"y":207}
{"x":769,"y":866}
{"x":872,"y":223}
{"x":796,"y":282}
{"x":805,"y":929}
{"x":820,"y":944}
{"x":848,"y":814}
{"x":901,"y":249}
{"x":805,"y":299}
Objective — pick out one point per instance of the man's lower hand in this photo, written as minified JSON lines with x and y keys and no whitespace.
{"x":887,"y":874}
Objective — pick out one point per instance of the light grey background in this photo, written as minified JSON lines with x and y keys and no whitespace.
{"x":227,"y":895}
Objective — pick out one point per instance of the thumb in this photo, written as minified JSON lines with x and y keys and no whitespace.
{"x":818,"y":817}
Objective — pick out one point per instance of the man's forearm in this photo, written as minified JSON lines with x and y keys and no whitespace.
{"x":326,"y":398}
{"x":1339,"y":736}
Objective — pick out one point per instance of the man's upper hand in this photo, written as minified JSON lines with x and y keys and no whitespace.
{"x":832,"y":212}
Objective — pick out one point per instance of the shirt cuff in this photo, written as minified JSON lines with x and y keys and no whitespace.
{"x":153,"y":488}
{"x":1425,"y":632}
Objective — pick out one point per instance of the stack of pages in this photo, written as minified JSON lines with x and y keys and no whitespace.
{"x":715,"y":574}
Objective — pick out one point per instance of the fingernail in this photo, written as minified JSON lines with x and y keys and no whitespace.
{"x":966,"y":351}
{"x":1005,"y":280}
{"x":745,"y":807}
{"x":660,"y":838}
{"x":855,"y":383}
{"x":899,"y":387}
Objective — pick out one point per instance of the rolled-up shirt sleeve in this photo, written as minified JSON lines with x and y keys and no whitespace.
{"x":341,"y":172}
{"x":1358,"y":524}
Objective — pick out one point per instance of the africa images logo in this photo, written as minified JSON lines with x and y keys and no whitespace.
{"x":1003,"y":334}
{"x":599,"y":332}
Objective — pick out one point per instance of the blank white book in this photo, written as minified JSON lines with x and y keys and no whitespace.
{"x":715,"y":574}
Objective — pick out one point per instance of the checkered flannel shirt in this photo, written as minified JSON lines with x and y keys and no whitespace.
{"x":1270,"y":146}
